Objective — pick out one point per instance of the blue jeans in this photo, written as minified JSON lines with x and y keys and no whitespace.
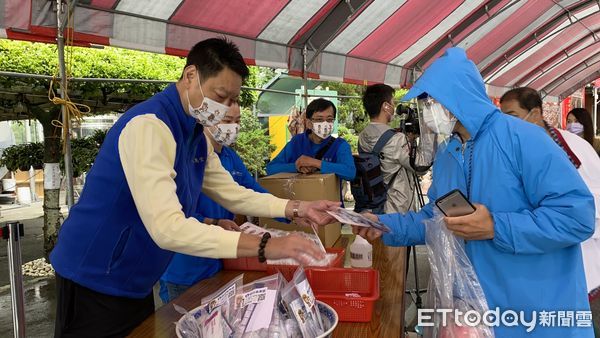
{"x":170,"y":291}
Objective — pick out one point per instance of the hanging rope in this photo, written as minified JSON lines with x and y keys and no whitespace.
{"x":73,"y":111}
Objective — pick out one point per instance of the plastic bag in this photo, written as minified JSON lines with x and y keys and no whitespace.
{"x":295,"y":306}
{"x":189,"y":326}
{"x":223,"y":300}
{"x":257,"y":305}
{"x":252,"y":229}
{"x":307,"y":295}
{"x":453,"y":285}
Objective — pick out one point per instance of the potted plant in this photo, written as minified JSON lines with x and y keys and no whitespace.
{"x":37,"y":158}
{"x":23,"y":153}
{"x":9,"y":158}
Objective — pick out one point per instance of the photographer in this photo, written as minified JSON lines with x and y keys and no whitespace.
{"x":398,"y":173}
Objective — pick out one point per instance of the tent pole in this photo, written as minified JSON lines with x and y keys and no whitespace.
{"x":596,"y":102}
{"x":66,"y":123}
{"x":305,"y":75}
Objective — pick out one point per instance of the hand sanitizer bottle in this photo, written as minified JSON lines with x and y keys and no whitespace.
{"x":361,"y":253}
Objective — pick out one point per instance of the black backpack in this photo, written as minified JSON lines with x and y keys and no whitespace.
{"x":368,"y":187}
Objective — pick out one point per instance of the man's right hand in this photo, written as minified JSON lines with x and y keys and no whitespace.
{"x":228,"y":224}
{"x":293,"y":246}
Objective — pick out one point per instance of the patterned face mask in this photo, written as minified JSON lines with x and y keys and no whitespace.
{"x":210,"y":111}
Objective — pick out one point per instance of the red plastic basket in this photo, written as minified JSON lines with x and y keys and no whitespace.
{"x":288,"y":270}
{"x":351,"y":292}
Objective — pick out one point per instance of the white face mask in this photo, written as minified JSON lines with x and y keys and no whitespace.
{"x":322,"y":129}
{"x":225,"y":133}
{"x":437,"y":118}
{"x":575,"y":127}
{"x":391,"y":115}
{"x":210,"y":111}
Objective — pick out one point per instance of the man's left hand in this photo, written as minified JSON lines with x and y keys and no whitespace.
{"x":476,"y":226}
{"x":307,"y":161}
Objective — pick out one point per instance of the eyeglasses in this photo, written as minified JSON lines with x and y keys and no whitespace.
{"x":323,"y":120}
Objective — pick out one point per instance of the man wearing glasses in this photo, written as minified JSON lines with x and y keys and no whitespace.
{"x":315,"y":149}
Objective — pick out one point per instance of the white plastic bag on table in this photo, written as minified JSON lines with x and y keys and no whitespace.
{"x":307,"y":295}
{"x":259,"y":314}
{"x":189,"y":326}
{"x":295,"y":307}
{"x":224,"y":298}
{"x":453,"y":284}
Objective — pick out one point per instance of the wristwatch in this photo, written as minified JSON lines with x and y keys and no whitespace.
{"x":295,"y":208}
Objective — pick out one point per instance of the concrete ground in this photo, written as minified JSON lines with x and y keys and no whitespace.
{"x":40,"y":292}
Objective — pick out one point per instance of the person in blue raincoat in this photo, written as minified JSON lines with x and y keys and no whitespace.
{"x":532,"y":209}
{"x":316,"y":149}
{"x":185,"y":270}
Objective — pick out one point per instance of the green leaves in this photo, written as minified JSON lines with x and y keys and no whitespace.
{"x":253,"y":144}
{"x":39,"y":58}
{"x":23,"y":156}
{"x":350,"y":136}
{"x":84,"y":151}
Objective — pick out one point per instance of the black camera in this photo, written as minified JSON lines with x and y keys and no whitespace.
{"x":409,"y":118}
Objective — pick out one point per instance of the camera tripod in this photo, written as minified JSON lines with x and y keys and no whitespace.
{"x":415,"y":293}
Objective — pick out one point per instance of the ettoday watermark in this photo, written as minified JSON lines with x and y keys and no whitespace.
{"x":496,"y":318}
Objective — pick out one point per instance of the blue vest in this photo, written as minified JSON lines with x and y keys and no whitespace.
{"x":103,"y":244}
{"x":188,"y":270}
{"x":302,"y":145}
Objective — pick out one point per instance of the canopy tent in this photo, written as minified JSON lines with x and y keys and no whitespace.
{"x":550,"y":45}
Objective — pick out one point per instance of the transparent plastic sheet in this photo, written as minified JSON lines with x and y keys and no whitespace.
{"x":307,"y":295}
{"x":224,"y":300}
{"x":453,"y":284}
{"x":288,"y":187}
{"x":252,"y":229}
{"x":189,"y":326}
{"x":258,"y":308}
{"x":296,"y":307}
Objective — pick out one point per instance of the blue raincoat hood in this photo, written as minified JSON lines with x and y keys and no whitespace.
{"x":466,"y":98}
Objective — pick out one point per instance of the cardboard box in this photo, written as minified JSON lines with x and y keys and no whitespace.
{"x":302,"y":187}
{"x":310,"y":187}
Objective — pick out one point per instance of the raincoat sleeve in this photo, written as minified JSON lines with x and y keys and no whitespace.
{"x":562,"y":212}
{"x":408,"y":229}
{"x":280,"y":163}
{"x":343,"y":167}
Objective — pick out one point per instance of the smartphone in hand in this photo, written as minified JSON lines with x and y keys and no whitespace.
{"x":454,"y":204}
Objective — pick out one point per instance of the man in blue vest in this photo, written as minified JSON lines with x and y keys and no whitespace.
{"x":142,"y":193}
{"x":316,"y":149}
{"x":185,"y":270}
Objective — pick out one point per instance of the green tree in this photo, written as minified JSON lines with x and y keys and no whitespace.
{"x":350,"y":110}
{"x":253,"y":144}
{"x":257,"y":78}
{"x":350,"y":136}
{"x":36,"y":58}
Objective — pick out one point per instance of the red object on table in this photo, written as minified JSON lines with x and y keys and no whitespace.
{"x":351,"y":292}
{"x":252,"y":264}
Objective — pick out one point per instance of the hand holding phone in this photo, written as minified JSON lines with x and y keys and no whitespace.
{"x":454,"y":204}
{"x":464,"y":219}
